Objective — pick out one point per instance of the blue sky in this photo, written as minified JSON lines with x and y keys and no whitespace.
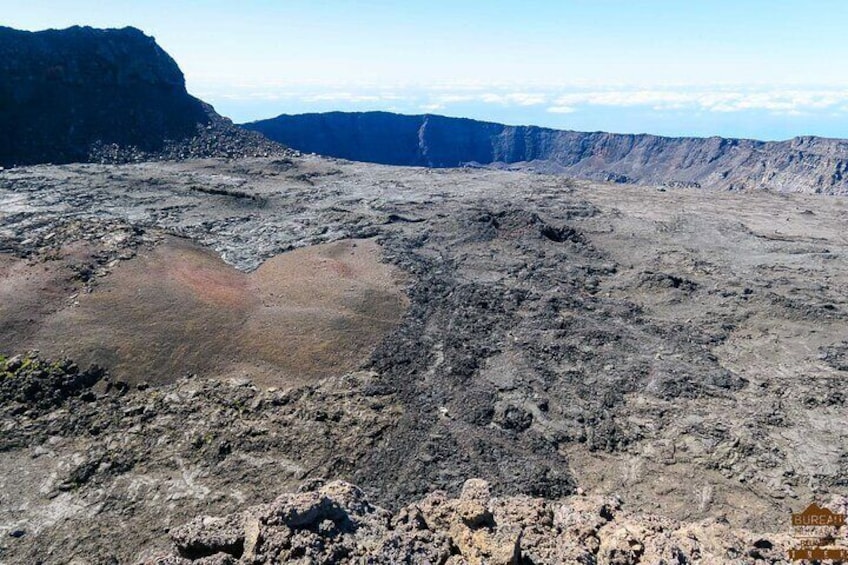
{"x":763,"y":69}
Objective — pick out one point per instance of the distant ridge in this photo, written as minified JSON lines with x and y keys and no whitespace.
{"x":802,"y":164}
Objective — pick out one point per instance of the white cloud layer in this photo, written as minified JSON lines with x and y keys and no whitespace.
{"x":778,"y":101}
{"x":554,"y":99}
{"x":562,"y":109}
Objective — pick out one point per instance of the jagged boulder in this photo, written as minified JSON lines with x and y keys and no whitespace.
{"x":334,"y":523}
{"x":28,"y":382}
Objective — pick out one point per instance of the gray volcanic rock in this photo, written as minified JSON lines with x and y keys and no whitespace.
{"x":106,"y":95}
{"x":682,"y":351}
{"x":802,"y":164}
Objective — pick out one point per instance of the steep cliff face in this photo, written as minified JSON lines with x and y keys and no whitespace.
{"x":803,"y":164}
{"x":62,"y":91}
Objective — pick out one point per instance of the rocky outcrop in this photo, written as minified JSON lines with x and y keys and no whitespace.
{"x":802,"y":164}
{"x":335,"y":523}
{"x":85,"y":94}
{"x":29,"y":382}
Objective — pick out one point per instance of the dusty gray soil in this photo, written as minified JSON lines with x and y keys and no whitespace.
{"x":684,"y":350}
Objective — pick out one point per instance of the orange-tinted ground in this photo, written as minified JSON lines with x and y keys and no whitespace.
{"x":178,"y":308}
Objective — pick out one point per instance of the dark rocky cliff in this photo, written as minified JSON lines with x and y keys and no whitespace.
{"x":803,"y":164}
{"x":64,"y":90}
{"x":83,"y":94}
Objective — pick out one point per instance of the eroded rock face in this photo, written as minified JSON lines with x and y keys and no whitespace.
{"x":64,"y":90}
{"x":802,"y":164}
{"x":83,"y":94}
{"x":335,"y":523}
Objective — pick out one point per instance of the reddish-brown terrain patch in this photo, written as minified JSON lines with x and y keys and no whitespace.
{"x":178,"y":308}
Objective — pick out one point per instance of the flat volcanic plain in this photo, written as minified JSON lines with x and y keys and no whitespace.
{"x":267,"y":322}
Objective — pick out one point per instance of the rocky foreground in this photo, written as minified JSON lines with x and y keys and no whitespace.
{"x":335,"y":523}
{"x":324,"y":522}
